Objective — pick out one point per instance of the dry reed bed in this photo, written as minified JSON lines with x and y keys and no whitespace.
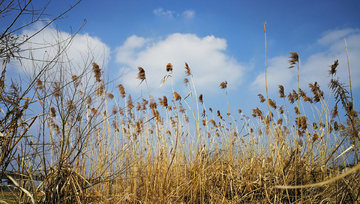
{"x":98,"y":149}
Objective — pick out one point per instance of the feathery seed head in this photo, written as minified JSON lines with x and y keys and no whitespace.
{"x":88,"y":100}
{"x":110,"y":96}
{"x":176,"y":96}
{"x":52,"y":112}
{"x":97,"y":72}
{"x":39,"y":84}
{"x":294,"y":58}
{"x":333,"y":70}
{"x":141,"y":74}
{"x":187,"y":70}
{"x":272,"y":104}
{"x":219,"y":115}
{"x":122,"y":90}
{"x":223,"y":85}
{"x":281,"y":110}
{"x":201,"y":99}
{"x":262,"y":99}
{"x":114,"y":110}
{"x":169,"y":67}
{"x":281,"y":91}
{"x":186,"y":82}
{"x":203,"y":114}
{"x":163,"y":101}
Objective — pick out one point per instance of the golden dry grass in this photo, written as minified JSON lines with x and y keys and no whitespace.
{"x":154,"y":151}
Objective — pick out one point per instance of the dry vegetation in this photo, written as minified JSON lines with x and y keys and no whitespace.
{"x":96,"y":146}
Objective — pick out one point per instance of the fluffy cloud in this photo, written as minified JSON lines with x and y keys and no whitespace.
{"x":77,"y":54}
{"x":316,"y":66}
{"x":209,"y":65}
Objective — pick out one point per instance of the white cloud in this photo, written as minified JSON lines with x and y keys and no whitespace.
{"x":334,"y":35}
{"x":188,"y":14}
{"x":161,"y":12}
{"x":277,"y":74}
{"x":78,"y":56}
{"x":315,"y":67}
{"x":209,"y":65}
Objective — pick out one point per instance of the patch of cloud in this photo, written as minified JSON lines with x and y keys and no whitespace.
{"x":209,"y":65}
{"x":316,"y":66}
{"x":333,"y":35}
{"x":188,"y":14}
{"x":73,"y":55}
{"x":277,"y":74}
{"x":161,"y":12}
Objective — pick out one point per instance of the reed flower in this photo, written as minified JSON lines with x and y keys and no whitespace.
{"x":333,"y":70}
{"x":169,"y":67}
{"x":100,"y":90}
{"x":281,"y":110}
{"x":203,"y":114}
{"x":336,"y":126}
{"x":186,"y":82}
{"x":163,"y":101}
{"x":315,"y":137}
{"x":262,"y":99}
{"x":219,"y":115}
{"x":257,"y":112}
{"x":153,"y":104}
{"x":144,"y":103}
{"x":281,"y":91}
{"x":176,"y":96}
{"x":110,"y":95}
{"x":122,"y":90}
{"x":52,"y":112}
{"x":201,"y":99}
{"x":334,"y":111}
{"x":39,"y":84}
{"x":75,"y":80}
{"x":97,"y":72}
{"x":272,"y":104}
{"x":88,"y":100}
{"x":294,"y":59}
{"x":187,"y":70}
{"x":141,"y":74}
{"x":223,"y":85}
{"x":57,"y":89}
{"x":291,"y":98}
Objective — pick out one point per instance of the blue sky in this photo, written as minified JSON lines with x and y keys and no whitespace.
{"x":220,"y":40}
